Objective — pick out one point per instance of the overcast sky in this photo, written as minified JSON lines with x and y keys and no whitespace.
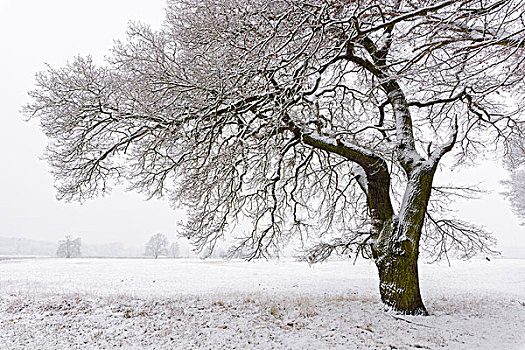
{"x":53,"y":31}
{"x":34,"y":33}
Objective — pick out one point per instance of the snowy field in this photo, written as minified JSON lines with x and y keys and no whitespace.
{"x":193,"y":304}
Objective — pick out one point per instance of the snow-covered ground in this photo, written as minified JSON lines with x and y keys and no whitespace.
{"x":194,"y":304}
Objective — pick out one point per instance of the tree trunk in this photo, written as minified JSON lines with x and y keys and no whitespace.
{"x":399,"y":279}
{"x":396,"y":246}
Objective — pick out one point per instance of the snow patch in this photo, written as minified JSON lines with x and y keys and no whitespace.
{"x":192,"y":304}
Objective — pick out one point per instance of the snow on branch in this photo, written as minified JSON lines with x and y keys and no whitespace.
{"x":303,"y":119}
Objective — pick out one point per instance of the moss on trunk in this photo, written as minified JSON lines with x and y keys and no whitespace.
{"x":399,"y":278}
{"x":396,"y":246}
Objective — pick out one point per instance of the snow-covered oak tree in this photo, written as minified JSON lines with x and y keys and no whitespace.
{"x":157,"y":245}
{"x":319,"y":121}
{"x":69,"y":247}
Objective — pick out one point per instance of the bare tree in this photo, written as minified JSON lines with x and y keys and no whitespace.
{"x":157,"y":245}
{"x":69,"y":247}
{"x":322,"y":121}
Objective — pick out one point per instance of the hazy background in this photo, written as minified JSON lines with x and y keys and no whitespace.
{"x":33,"y":33}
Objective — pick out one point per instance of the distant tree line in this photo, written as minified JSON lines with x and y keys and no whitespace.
{"x":158,"y":245}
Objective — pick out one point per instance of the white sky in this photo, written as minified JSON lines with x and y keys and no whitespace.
{"x":33,"y":33}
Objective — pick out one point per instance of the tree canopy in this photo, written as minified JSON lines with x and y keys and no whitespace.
{"x":321,"y":120}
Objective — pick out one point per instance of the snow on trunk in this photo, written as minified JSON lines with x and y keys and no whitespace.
{"x":396,"y":249}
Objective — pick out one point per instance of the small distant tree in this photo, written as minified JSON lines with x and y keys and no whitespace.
{"x":69,"y":247}
{"x":157,"y":245}
{"x":174,"y":250}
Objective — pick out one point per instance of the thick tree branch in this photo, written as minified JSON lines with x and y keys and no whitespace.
{"x":378,"y":177}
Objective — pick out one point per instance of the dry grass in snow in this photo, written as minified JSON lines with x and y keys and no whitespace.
{"x":181,"y":304}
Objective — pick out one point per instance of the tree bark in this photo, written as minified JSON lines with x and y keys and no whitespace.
{"x":399,"y":284}
{"x":396,"y":262}
{"x":396,"y":247}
